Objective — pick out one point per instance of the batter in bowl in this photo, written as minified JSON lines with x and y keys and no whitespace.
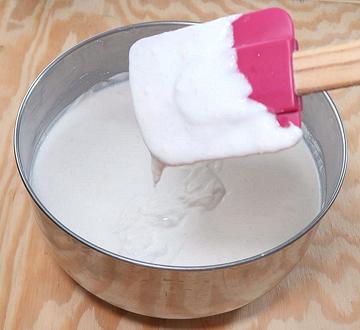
{"x":92,"y":173}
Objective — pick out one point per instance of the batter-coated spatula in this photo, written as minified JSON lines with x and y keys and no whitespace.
{"x":267,"y":54}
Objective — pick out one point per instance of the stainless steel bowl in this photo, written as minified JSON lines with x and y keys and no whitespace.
{"x":150,"y":289}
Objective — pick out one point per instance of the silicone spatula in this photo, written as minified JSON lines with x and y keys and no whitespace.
{"x":268,"y":56}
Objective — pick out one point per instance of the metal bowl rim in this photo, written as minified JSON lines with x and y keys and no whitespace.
{"x":87,"y":243}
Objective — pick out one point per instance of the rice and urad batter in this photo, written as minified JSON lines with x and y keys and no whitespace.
{"x":92,"y":170}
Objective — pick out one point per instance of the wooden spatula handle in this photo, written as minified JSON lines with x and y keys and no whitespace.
{"x":327,"y":68}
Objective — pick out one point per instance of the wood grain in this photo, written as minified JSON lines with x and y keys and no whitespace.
{"x":323,"y":292}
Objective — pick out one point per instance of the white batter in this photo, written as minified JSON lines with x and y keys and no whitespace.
{"x":191,"y":101}
{"x":92,"y":173}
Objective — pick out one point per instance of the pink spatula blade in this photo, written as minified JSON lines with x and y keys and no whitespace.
{"x":264,"y":42}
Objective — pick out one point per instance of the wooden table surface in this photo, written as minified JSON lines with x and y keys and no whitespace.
{"x":323,"y":292}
